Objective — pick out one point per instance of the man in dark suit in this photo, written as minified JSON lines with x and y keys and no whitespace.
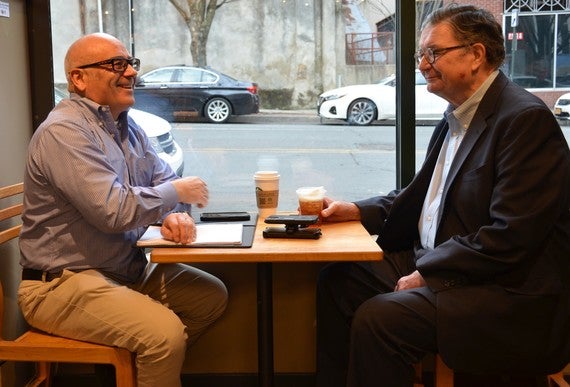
{"x":477,"y":247}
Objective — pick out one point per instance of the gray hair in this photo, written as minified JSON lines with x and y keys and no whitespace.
{"x":473,"y":25}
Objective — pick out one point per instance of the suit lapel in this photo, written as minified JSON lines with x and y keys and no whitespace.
{"x":476,"y":129}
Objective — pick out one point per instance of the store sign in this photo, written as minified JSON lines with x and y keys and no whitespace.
{"x":515,"y":18}
{"x":4,"y":9}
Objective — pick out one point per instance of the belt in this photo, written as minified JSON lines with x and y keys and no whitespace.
{"x":39,"y":275}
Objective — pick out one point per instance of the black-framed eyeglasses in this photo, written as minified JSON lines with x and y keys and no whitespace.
{"x":432,"y":54}
{"x":118,"y":64}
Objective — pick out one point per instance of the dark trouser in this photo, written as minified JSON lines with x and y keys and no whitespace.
{"x":368,"y":335}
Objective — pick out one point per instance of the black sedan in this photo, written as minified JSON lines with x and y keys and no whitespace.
{"x":179,"y":93}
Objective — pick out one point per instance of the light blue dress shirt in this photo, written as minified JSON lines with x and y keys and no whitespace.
{"x":90,"y":188}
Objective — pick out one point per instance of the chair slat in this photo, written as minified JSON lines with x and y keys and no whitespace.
{"x":11,"y":190}
{"x":11,"y":212}
{"x":11,"y":233}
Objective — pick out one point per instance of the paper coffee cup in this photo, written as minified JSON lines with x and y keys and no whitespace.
{"x":266,"y":192}
{"x":311,"y":200}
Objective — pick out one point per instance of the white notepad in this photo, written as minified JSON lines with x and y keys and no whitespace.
{"x":210,"y":234}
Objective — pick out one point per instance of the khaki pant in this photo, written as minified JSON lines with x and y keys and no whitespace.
{"x":156,"y":317}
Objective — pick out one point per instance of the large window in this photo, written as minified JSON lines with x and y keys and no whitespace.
{"x":276,"y":45}
{"x":280,"y":46}
{"x":538,"y":44}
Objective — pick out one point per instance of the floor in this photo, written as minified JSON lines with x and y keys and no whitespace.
{"x":104,"y":379}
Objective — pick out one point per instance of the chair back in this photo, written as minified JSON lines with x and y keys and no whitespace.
{"x":9,"y":212}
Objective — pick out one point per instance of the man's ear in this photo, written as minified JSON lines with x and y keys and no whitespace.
{"x":479,"y":53}
{"x":78,"y":80}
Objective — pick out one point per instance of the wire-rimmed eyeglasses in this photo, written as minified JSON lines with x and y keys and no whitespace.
{"x":432,"y":54}
{"x":118,"y":64}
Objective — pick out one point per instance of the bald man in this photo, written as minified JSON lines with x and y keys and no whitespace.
{"x":92,"y":185}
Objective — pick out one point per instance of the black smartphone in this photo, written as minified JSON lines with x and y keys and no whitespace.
{"x":280,"y":232}
{"x":224,"y":216}
{"x":294,"y":220}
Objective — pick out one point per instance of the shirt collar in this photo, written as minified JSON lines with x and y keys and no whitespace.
{"x":465,"y":112}
{"x":103,"y":113}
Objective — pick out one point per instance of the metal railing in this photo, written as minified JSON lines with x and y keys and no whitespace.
{"x":370,"y":48}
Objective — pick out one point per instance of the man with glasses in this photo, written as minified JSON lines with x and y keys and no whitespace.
{"x":477,"y":246}
{"x":92,"y":185}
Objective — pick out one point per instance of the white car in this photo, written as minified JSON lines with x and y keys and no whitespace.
{"x":562,"y":107}
{"x":362,"y":104}
{"x":158,"y":131}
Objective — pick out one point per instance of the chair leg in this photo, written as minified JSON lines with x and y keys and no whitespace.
{"x":125,"y":370}
{"x":418,"y":377}
{"x":443,"y":374}
{"x":42,"y":378}
{"x":557,"y":380}
{"x":125,"y":377}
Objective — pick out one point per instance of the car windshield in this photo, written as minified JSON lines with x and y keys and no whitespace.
{"x":389,"y":81}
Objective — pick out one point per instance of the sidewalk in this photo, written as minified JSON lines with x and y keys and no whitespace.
{"x":288,"y":113}
{"x":276,"y":116}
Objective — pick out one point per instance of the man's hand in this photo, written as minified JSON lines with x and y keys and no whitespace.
{"x":178,"y":227}
{"x":337,"y":211}
{"x":414,"y":280}
{"x":192,"y":190}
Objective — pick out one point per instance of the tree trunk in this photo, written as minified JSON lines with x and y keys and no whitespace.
{"x":198,"y":16}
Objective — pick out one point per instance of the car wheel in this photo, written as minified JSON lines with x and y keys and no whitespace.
{"x":361,"y":112}
{"x":218,"y":110}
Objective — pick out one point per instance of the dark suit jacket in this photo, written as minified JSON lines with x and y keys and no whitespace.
{"x":501,"y":265}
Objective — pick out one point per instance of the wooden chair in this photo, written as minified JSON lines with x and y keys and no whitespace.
{"x":557,"y":380}
{"x":444,"y":376}
{"x":44,"y":349}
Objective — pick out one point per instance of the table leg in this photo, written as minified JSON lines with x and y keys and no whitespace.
{"x":265,"y":323}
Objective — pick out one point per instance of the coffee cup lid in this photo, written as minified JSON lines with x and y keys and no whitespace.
{"x":311,"y":192}
{"x":266,"y":175}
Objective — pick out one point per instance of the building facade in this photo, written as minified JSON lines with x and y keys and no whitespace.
{"x":296,"y":49}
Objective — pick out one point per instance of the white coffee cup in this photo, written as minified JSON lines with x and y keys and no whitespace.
{"x":266,"y":192}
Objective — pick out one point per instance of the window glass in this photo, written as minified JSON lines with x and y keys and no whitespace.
{"x":288,"y":72}
{"x":159,"y":76}
{"x":529,"y":48}
{"x":194,"y":75}
{"x":420,"y":80}
{"x":563,"y":52}
{"x":208,"y":77}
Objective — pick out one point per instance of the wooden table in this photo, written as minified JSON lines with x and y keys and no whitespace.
{"x":347,"y":241}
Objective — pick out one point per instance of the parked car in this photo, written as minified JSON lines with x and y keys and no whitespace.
{"x":562,"y":107}
{"x":158,"y":131}
{"x":362,"y":104}
{"x":180,"y":92}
